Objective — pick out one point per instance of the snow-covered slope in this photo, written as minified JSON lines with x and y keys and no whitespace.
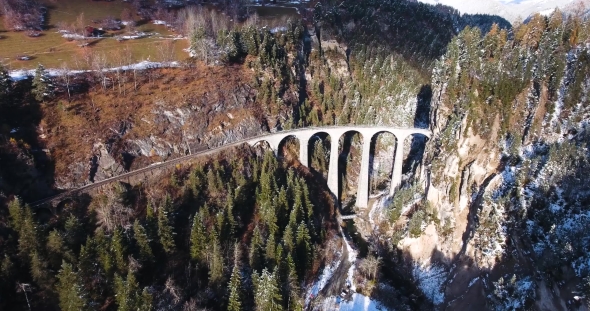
{"x":511,"y":10}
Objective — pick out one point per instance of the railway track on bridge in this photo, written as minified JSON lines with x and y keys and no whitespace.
{"x":206,"y":152}
{"x":128,"y":175}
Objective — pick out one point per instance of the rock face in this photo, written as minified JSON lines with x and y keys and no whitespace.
{"x":170,"y":129}
{"x":104,"y":165}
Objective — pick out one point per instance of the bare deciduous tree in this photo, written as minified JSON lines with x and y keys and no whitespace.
{"x":24,"y":288}
{"x":65,"y":74}
{"x":112,"y":211}
{"x":166,"y":51}
{"x":99,"y":65}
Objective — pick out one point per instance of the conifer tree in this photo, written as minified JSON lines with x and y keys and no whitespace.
{"x":7,"y":269}
{"x":216,"y":265}
{"x":72,"y":231}
{"x":270,"y":255}
{"x":195,"y":181}
{"x":28,"y":239}
{"x":267,"y":296}
{"x":235,"y":283}
{"x":55,"y":246}
{"x":292,"y":279}
{"x":103,"y":249}
{"x":198,"y":239}
{"x":87,"y":267}
{"x":151,"y":222}
{"x":119,"y":249}
{"x":15,"y":211}
{"x":165,"y":229}
{"x":304,"y":251}
{"x":127,"y":293}
{"x":39,"y":270}
{"x":43,"y":87}
{"x":143,"y":242}
{"x":235,"y":302}
{"x":5,"y":85}
{"x":256,"y":250}
{"x":72,"y":296}
{"x":289,"y":238}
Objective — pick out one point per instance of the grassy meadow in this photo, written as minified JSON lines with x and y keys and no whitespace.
{"x":52,"y":50}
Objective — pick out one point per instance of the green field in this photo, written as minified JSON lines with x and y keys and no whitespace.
{"x":52,"y":50}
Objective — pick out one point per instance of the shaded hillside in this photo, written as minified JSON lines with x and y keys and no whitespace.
{"x":239,"y":231}
{"x":417,"y":31}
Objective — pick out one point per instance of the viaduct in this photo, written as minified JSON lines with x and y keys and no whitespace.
{"x":335,"y":132}
{"x":275,"y":140}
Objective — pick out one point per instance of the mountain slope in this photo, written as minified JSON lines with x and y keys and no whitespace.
{"x":511,"y":10}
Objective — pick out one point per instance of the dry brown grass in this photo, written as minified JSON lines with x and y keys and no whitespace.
{"x":52,"y":50}
{"x":73,"y":127}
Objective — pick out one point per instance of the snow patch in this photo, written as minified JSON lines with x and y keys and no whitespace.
{"x":430,"y":279}
{"x":360,"y":303}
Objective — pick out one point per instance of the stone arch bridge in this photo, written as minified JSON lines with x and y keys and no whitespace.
{"x":335,"y":132}
{"x":275,"y":140}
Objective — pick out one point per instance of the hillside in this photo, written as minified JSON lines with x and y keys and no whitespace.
{"x":513,"y":10}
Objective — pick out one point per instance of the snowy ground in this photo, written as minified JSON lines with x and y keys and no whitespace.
{"x":323,"y":279}
{"x":358,"y":302}
{"x":22,"y":74}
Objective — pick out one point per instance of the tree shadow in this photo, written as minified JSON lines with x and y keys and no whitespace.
{"x":27,"y":169}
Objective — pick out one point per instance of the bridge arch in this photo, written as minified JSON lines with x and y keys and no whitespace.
{"x":262,"y":143}
{"x":346,"y":155}
{"x":383,"y":144}
{"x":414,"y":148}
{"x":319,"y":146}
{"x":285,"y":142}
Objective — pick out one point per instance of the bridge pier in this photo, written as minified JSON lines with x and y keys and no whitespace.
{"x":333,"y":167}
{"x":396,"y":175}
{"x":362,"y":193}
{"x":304,"y":148}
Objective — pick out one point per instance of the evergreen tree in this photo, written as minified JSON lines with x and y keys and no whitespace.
{"x":43,"y":87}
{"x":235,"y":302}
{"x":72,"y":232}
{"x":256,"y":250}
{"x":103,"y":249}
{"x":129,"y":296}
{"x":165,"y":229}
{"x":216,"y":265}
{"x":235,"y":283}
{"x":28,"y":239}
{"x":289,"y":238}
{"x":270,"y":255}
{"x":39,"y":270}
{"x":5,"y":85}
{"x":304,"y":251}
{"x":55,"y":246}
{"x":119,"y":248}
{"x":143,"y":242}
{"x":151,"y":222}
{"x":15,"y":211}
{"x":292,"y":285}
{"x":89,"y":271}
{"x":195,"y":181}
{"x":198,"y":239}
{"x":267,"y":296}
{"x":72,"y":296}
{"x":7,"y":269}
